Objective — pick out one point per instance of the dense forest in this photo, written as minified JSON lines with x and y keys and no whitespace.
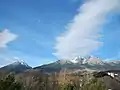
{"x":34,"y":80}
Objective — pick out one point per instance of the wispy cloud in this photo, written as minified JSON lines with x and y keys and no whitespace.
{"x":6,"y":37}
{"x":83,"y":33}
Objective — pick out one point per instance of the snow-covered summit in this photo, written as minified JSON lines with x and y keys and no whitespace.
{"x":17,"y":66}
{"x":20,"y":62}
{"x":87,"y":59}
{"x":78,"y":59}
{"x":91,"y":60}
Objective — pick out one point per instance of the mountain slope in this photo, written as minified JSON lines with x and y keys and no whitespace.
{"x":17,"y":67}
{"x":111,"y":78}
{"x":58,"y":66}
{"x":80,"y":63}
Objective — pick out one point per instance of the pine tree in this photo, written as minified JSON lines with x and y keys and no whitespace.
{"x":9,"y":83}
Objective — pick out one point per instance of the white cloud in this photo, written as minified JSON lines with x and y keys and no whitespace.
{"x":6,"y":37}
{"x":83,"y":33}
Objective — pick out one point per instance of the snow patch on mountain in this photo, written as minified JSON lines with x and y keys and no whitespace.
{"x":20,"y":62}
{"x":90,"y":60}
{"x":95,"y":60}
{"x":87,"y":60}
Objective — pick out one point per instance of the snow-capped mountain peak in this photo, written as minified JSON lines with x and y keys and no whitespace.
{"x":78,"y":59}
{"x":87,"y":60}
{"x":94,"y":60}
{"x":75,"y":60}
{"x":17,"y":67}
{"x":82,"y":60}
{"x":20,"y":62}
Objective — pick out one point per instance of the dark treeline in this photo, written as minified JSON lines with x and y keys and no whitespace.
{"x":35,"y":80}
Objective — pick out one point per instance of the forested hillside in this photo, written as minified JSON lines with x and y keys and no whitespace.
{"x":33,"y":80}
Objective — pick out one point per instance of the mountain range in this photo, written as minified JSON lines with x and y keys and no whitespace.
{"x":108,"y":71}
{"x":76,"y":64}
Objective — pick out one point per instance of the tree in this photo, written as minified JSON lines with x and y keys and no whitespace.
{"x":94,"y":84}
{"x":9,"y":83}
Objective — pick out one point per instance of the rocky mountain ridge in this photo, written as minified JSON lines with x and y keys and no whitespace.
{"x":89,"y":63}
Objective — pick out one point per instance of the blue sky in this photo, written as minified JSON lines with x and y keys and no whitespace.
{"x":38,"y":23}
